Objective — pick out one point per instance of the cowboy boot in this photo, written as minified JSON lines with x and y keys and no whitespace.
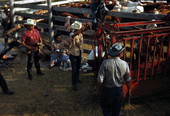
{"x":29,"y":75}
{"x":39,"y":72}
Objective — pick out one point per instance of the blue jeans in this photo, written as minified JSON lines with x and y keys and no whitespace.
{"x":111,"y":101}
{"x":56,"y":57}
{"x":33,"y":57}
{"x":75,"y":64}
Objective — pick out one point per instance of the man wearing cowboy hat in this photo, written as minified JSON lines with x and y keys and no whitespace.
{"x":5,"y":17}
{"x":31,"y":39}
{"x":113,"y":73}
{"x":76,"y":42}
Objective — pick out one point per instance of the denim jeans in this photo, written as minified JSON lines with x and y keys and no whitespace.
{"x":33,"y":57}
{"x":111,"y":101}
{"x":75,"y":64}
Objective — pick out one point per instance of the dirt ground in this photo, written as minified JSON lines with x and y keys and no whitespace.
{"x":52,"y":95}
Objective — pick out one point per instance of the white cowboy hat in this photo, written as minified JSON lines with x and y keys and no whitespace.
{"x":76,"y":25}
{"x":5,"y":6}
{"x":30,"y":22}
{"x":116,"y":49}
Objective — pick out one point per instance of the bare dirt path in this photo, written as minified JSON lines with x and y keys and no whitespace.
{"x":52,"y":95}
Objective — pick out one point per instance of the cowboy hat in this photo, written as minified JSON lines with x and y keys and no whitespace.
{"x":76,"y":25}
{"x":5,"y":6}
{"x":116,"y":49}
{"x":30,"y":22}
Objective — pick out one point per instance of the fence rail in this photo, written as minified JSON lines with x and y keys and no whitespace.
{"x":55,"y":20}
{"x":147,"y":50}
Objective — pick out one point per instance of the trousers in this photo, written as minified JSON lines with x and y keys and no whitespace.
{"x":3,"y":84}
{"x":111,"y":101}
{"x":33,"y":57}
{"x":75,"y":64}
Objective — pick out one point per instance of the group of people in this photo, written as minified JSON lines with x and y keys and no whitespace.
{"x":62,"y":51}
{"x":112,"y":73}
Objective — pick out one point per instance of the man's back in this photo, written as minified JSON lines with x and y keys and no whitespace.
{"x":113,"y":72}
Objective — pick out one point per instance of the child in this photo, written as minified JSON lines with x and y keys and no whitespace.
{"x":59,"y":49}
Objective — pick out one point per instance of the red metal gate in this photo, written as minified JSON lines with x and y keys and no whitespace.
{"x":147,"y":49}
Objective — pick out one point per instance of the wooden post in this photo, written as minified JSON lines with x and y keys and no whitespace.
{"x":50,"y":22}
{"x":12,"y":18}
{"x":11,"y":4}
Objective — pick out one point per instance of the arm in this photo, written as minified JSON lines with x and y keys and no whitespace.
{"x":24,"y":44}
{"x":52,"y":47}
{"x":27,"y":46}
{"x":79,"y":41}
{"x":127,"y":79}
{"x":66,"y":44}
{"x":128,"y":84}
{"x":83,"y":29}
{"x":41,"y":41}
{"x":40,"y":38}
{"x":100,"y":78}
{"x":98,"y":86}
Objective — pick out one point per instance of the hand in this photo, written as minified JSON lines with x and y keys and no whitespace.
{"x":89,"y":24}
{"x":32,"y":48}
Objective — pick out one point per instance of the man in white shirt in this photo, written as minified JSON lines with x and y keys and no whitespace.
{"x":113,"y":73}
{"x":76,"y":50}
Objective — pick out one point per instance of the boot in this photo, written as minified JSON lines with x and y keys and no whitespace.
{"x":29,"y":75}
{"x":75,"y":88}
{"x":9,"y":92}
{"x":39,"y":72}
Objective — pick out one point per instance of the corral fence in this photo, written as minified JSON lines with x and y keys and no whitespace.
{"x":146,"y":50}
{"x":141,"y":66}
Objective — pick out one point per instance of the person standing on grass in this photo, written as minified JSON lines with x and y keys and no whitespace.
{"x":4,"y":86}
{"x":113,"y":73}
{"x":76,"y":50}
{"x":31,"y":39}
{"x":5,"y":17}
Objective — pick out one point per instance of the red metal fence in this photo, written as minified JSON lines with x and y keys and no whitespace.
{"x":147,"y":49}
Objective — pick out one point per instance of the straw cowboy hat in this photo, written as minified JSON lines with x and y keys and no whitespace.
{"x":76,"y":25}
{"x":5,"y":6}
{"x":116,"y":49}
{"x":30,"y":22}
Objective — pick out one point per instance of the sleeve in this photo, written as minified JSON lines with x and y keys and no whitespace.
{"x":71,"y":34}
{"x":81,"y":40}
{"x":72,"y":39}
{"x":101,"y":73}
{"x":23,"y":39}
{"x":127,"y":74}
{"x":52,"y":46}
{"x":65,"y":43}
{"x":39,"y":36}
